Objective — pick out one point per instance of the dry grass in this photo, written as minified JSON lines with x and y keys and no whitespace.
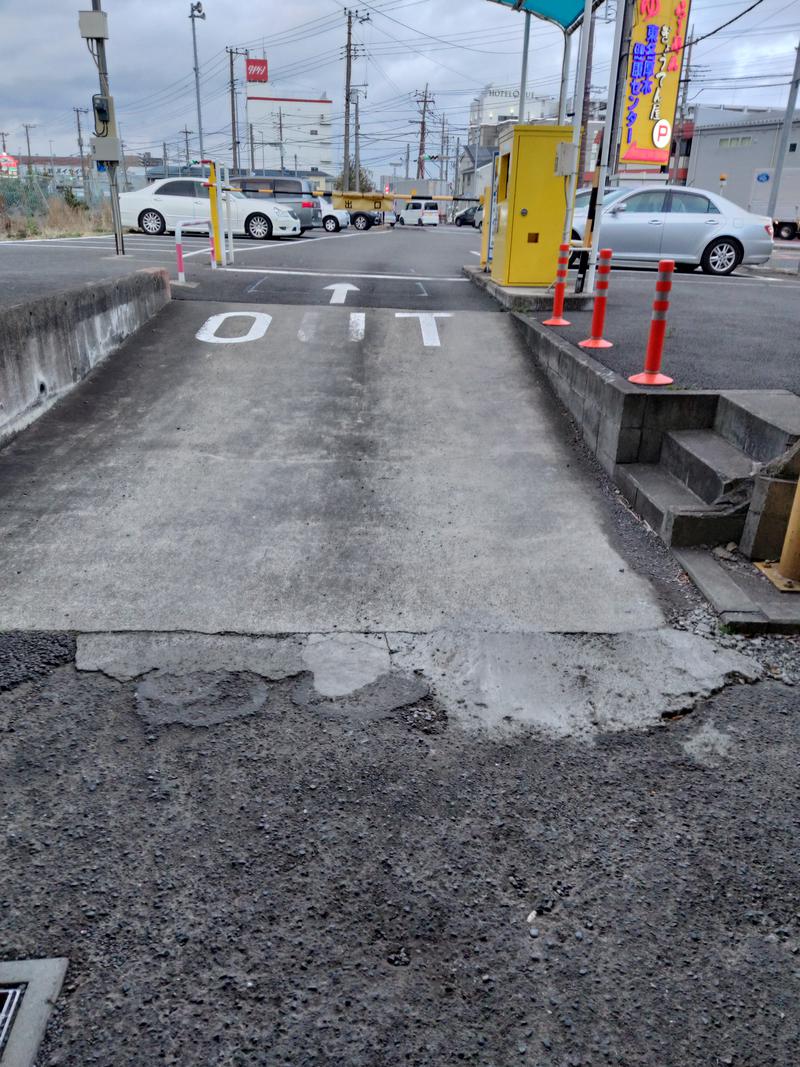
{"x":60,"y":220}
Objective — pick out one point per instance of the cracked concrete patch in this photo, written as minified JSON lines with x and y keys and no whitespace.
{"x":343,"y":663}
{"x":569,"y":684}
{"x":200,"y":698}
{"x":130,"y":655}
{"x":380,"y":698}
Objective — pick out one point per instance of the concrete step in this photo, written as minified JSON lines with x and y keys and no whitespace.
{"x":679,"y":516}
{"x":708,"y":464}
{"x":763,"y":423}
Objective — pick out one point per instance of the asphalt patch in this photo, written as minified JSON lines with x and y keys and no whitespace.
{"x":25,"y":656}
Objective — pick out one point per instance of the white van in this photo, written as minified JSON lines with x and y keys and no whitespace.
{"x":420,"y":213}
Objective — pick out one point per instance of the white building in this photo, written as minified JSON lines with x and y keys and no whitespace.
{"x":500,"y":103}
{"x":289,"y":133}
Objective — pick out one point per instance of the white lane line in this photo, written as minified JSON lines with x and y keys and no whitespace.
{"x":358,"y":321}
{"x":472,"y":252}
{"x":331,"y":274}
{"x":297,"y":242}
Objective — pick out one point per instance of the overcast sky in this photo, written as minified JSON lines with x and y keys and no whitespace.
{"x":457,"y":46}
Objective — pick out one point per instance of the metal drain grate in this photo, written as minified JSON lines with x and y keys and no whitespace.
{"x":10,"y":1000}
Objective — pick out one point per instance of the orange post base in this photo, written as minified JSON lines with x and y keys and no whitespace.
{"x":595,"y":342}
{"x":646,"y":378}
{"x":558,"y":321}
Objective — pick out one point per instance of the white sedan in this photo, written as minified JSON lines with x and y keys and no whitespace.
{"x":160,"y":206}
{"x":333,"y":218}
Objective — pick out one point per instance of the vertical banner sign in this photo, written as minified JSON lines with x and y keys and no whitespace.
{"x":651,"y":87}
{"x":257,"y":70}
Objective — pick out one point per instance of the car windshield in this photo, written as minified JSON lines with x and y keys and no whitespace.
{"x":583,"y":197}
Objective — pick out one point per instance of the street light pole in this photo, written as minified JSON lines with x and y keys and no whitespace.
{"x":523,"y":81}
{"x":196,"y":12}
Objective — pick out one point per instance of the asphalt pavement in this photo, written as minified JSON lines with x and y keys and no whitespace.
{"x":348,"y":717}
{"x":722,"y":333}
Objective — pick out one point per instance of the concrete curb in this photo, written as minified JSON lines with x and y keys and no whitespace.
{"x":624,"y":425}
{"x":51,"y":343}
{"x":522,"y":298}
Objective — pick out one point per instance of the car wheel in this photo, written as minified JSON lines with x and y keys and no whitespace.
{"x":722,"y":256}
{"x":402,"y":221}
{"x":331,"y":224}
{"x":685,"y":268}
{"x":787,"y":231}
{"x":152,"y":222}
{"x":459,"y":222}
{"x":259,"y":227}
{"x":361,"y":222}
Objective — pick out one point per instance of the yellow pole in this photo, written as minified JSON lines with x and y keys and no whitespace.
{"x":212,"y":197}
{"x":789,"y":565}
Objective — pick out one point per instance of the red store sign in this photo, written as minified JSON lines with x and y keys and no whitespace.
{"x":257,"y":70}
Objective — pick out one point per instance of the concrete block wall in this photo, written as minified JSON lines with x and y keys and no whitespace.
{"x":51,"y":343}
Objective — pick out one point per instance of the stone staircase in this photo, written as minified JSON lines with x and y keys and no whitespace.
{"x":699,"y":491}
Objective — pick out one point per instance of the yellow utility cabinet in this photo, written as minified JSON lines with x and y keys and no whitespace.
{"x":531,"y":202}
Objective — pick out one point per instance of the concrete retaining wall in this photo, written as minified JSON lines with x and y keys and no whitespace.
{"x":49,"y":344}
{"x":620,"y":422}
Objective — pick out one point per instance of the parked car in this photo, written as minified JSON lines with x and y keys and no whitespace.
{"x":420,"y":213}
{"x":477,"y":219}
{"x":293,"y":193}
{"x":365,"y":220}
{"x":160,"y":206}
{"x":333,"y":219}
{"x":467,"y":216}
{"x":693,"y":227}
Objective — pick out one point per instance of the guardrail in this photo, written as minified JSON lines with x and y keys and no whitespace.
{"x":179,"y":244}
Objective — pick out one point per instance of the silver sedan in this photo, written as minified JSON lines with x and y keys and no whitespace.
{"x":691,"y":226}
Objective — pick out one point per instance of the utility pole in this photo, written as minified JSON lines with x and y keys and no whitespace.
{"x":587,"y":104}
{"x":28,"y":127}
{"x":295,"y":164}
{"x":252,"y":150}
{"x":442,"y":152}
{"x":164,"y":160}
{"x":348,"y":77}
{"x":280,"y":134}
{"x":232,"y":53}
{"x":78,"y":112}
{"x":124,"y":161}
{"x":4,"y":134}
{"x":783,"y":137}
{"x":106,"y":144}
{"x":682,"y":108}
{"x":357,"y":166}
{"x":186,"y":131}
{"x":455,"y":165}
{"x":408,"y":161}
{"x":425,"y":100}
{"x":196,"y":12}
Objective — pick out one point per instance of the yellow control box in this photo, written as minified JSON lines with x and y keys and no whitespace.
{"x":531,"y":203}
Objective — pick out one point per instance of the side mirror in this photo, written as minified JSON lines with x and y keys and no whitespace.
{"x":616,"y":208}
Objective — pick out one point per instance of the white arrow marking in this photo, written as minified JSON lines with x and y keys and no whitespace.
{"x":427,"y":323}
{"x":357,"y":325}
{"x":340,"y":291}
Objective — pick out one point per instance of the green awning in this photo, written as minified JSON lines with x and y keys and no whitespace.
{"x":568,"y":14}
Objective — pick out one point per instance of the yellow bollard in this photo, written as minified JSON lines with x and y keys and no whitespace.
{"x":785,"y":574}
{"x":219,"y":248}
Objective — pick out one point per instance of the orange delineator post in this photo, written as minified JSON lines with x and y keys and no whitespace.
{"x":557,"y":318}
{"x":651,"y":375}
{"x":596,"y":339}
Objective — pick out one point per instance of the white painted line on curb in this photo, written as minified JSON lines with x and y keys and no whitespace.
{"x":308,"y":327}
